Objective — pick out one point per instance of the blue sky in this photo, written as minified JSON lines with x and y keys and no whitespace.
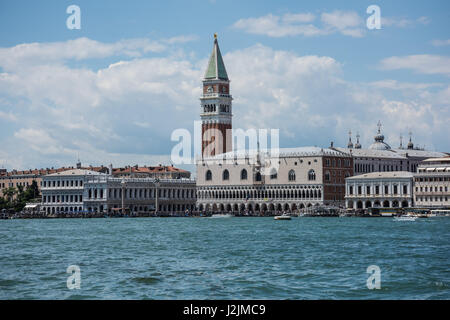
{"x":116,"y":89}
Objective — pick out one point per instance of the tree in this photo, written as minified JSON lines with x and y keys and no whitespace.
{"x":9,"y":193}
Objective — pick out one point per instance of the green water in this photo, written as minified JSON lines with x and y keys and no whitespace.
{"x":229,"y":258}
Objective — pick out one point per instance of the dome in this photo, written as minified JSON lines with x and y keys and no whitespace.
{"x":379,"y":143}
{"x":380,"y":146}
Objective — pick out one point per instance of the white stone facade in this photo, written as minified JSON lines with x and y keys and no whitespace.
{"x":305,"y":177}
{"x":104,"y":194}
{"x":63,"y":191}
{"x":379,"y":189}
{"x":432,"y":183}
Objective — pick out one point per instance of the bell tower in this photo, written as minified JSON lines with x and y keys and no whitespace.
{"x":216,"y":106}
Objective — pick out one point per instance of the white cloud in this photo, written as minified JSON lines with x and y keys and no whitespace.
{"x":275,"y":26}
{"x":80,"y":49}
{"x":423,"y":63}
{"x":9,"y":116}
{"x":298,"y":17}
{"x":293,"y":24}
{"x":402,"y":22}
{"x":397,"y":85}
{"x":346,"y":22}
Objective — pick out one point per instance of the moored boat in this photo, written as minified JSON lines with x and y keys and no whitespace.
{"x":282,"y":217}
{"x":221,"y":215}
{"x":405,"y":218}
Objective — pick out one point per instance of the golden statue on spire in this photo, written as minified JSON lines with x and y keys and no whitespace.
{"x":215,"y":35}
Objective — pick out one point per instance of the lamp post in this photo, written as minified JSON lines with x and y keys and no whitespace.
{"x":123,"y":195}
{"x":157,"y":184}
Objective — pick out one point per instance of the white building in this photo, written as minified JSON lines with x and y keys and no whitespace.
{"x":104,"y":194}
{"x":379,"y":189}
{"x":63,"y":191}
{"x":432,"y":183}
{"x":304,"y":177}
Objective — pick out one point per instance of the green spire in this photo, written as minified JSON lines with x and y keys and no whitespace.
{"x":216,"y":67}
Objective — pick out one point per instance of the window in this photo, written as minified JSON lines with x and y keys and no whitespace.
{"x":226,"y":175}
{"x":292,"y":175}
{"x":208,"y":176}
{"x":244,"y":174}
{"x":327,"y":176}
{"x":258,"y":176}
{"x":273,"y":173}
{"x":311,"y":175}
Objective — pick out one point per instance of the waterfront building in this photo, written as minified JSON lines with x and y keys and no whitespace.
{"x":78,"y":190}
{"x":391,"y":189}
{"x":307,"y":176}
{"x":109,"y":194}
{"x":24,"y":178}
{"x":432,"y":183}
{"x":63,"y":191}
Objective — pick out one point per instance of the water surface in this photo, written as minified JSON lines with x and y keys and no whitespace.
{"x":229,"y":258}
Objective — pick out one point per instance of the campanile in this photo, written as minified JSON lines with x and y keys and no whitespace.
{"x":216,"y":106}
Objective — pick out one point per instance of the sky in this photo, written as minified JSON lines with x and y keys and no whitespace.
{"x":114,"y":90}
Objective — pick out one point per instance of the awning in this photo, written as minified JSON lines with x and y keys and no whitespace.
{"x":431,"y":169}
{"x":31,"y":206}
{"x":440,"y":169}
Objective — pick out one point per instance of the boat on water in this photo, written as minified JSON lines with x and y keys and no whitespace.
{"x":405,"y":218}
{"x":282,"y":217}
{"x":221,"y":215}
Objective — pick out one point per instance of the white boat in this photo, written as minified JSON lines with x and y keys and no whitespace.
{"x":221,"y":215}
{"x":282,"y":217}
{"x":405,"y":218}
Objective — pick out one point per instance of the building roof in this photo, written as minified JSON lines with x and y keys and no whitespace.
{"x":42,"y":172}
{"x":420,"y":153}
{"x":372,"y":153}
{"x":145,"y":169}
{"x":381,"y":175}
{"x":282,"y":152}
{"x":443,"y":159}
{"x":76,"y":172}
{"x":216,"y":67}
